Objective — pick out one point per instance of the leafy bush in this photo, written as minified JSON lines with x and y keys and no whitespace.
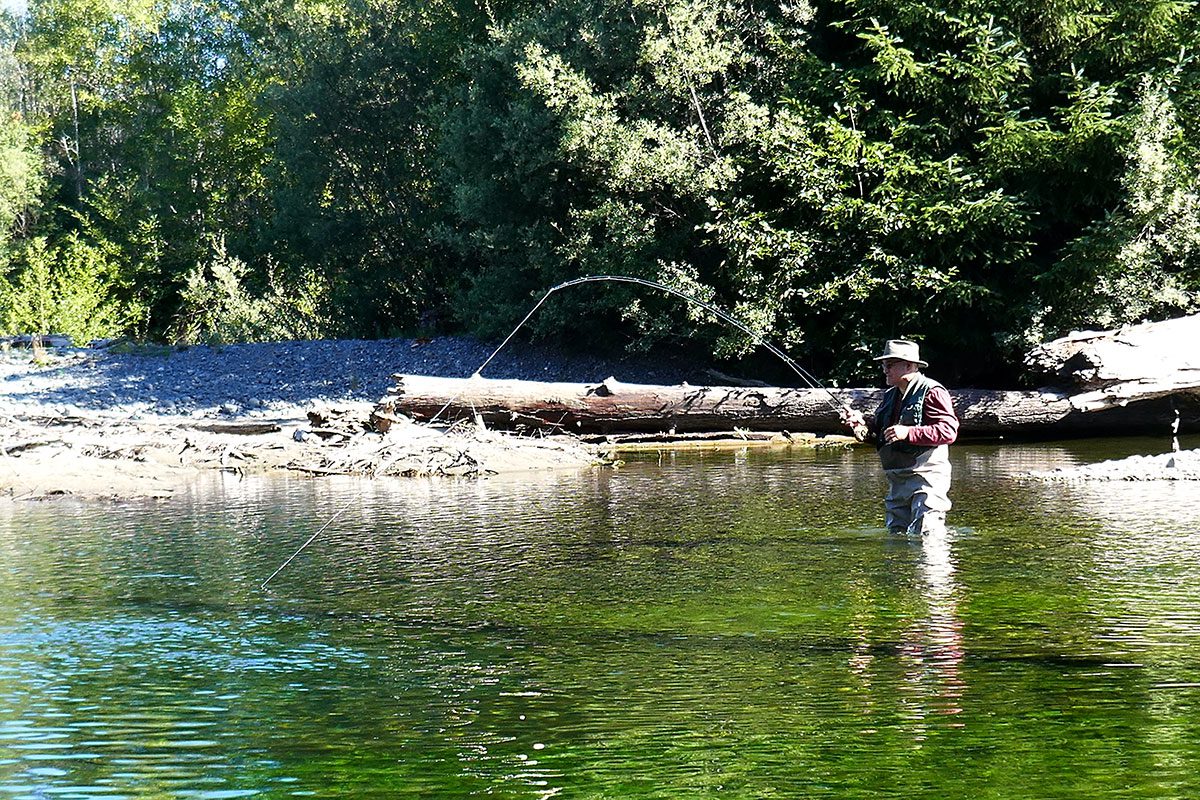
{"x":22,"y":177}
{"x":1141,"y":261}
{"x":217,"y":307}
{"x":66,"y":289}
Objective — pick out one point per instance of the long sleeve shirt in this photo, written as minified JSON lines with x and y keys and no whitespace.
{"x":939,"y":422}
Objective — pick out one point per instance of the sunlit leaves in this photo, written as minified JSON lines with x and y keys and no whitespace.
{"x":629,"y":154}
{"x":22,"y":177}
{"x":64,"y":288}
{"x":1142,"y":260}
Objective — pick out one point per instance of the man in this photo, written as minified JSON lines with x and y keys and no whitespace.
{"x":911,"y":429}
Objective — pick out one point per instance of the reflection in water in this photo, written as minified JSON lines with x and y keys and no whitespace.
{"x":1137,"y":507}
{"x":733,"y":625}
{"x":932,"y":647}
{"x":929,"y":650}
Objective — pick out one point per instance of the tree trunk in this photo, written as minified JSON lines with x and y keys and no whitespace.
{"x":611,"y":407}
{"x":1104,"y":369}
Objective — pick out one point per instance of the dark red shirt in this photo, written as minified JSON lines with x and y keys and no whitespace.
{"x":940,"y":423}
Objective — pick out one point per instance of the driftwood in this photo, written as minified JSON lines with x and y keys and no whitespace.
{"x":36,"y":340}
{"x":237,"y":427}
{"x":105,"y":457}
{"x":1103,"y":369}
{"x":1138,"y":379}
{"x":612,"y":407}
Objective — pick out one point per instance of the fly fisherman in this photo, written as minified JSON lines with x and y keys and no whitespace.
{"x":911,"y":429}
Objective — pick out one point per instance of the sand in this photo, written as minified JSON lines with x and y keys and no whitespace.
{"x":102,"y":457}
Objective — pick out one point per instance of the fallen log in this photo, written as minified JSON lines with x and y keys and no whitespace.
{"x":1103,"y":369}
{"x":613,"y":407}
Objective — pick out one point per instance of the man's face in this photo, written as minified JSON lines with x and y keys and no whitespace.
{"x":894,"y":369}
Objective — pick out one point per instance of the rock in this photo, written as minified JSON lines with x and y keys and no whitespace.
{"x":1182,"y":466}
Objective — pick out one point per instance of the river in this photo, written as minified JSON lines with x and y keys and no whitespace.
{"x":730,"y":623}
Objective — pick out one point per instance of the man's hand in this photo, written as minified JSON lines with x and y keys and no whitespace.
{"x":852,"y":417}
{"x":896,"y":433}
{"x":856,"y":422}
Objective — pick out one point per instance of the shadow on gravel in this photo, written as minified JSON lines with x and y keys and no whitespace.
{"x":256,"y":376}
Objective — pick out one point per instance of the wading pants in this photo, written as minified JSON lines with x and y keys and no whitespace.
{"x":919,"y":496}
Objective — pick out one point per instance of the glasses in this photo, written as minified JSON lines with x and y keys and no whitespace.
{"x":888,"y":363}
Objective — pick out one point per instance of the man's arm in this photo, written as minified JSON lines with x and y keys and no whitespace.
{"x":940,"y":422}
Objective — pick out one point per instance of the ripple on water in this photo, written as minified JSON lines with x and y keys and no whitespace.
{"x":730,"y":624}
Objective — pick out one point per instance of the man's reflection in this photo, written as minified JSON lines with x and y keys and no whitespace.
{"x":929,"y":682}
{"x":931,"y":649}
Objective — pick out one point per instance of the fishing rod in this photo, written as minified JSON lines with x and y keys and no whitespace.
{"x":838,"y":404}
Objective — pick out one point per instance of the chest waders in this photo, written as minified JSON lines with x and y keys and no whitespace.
{"x":918,"y":476}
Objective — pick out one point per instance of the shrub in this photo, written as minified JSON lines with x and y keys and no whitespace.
{"x":66,"y":289}
{"x":216,"y":305}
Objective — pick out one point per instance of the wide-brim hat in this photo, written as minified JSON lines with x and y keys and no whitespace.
{"x":904,"y":350}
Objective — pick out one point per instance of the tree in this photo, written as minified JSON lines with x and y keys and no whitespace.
{"x":22,"y":178}
{"x":871,"y":169}
{"x":64,"y":289}
{"x":356,"y":95}
{"x":590,"y":139}
{"x":1141,"y":260}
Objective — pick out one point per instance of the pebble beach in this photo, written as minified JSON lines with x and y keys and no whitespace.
{"x":277,"y":379}
{"x":129,"y":421}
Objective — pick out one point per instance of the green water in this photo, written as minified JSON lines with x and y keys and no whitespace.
{"x":732,"y":624}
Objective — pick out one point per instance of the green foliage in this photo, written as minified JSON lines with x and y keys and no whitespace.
{"x":1142,"y":260}
{"x":22,"y":178}
{"x":217,"y":308}
{"x":601,"y":123}
{"x":631,"y":138}
{"x":354,"y":88}
{"x":151,"y":111}
{"x":61,"y":289}
{"x":871,"y":170}
{"x":974,"y":174}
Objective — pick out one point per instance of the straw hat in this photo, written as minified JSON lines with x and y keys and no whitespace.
{"x":904,"y":350}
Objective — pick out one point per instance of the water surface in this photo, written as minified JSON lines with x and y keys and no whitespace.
{"x":732,"y":624}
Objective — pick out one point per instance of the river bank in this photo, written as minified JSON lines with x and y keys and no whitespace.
{"x":140,"y":421}
{"x":102,"y":456}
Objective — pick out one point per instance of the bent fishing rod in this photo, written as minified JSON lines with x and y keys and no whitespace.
{"x":838,"y":404}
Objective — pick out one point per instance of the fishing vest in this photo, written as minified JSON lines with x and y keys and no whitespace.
{"x":898,"y":455}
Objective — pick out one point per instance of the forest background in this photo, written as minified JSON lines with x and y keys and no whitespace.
{"x":980,"y":176}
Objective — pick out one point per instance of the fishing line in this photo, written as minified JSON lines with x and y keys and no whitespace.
{"x":311,"y":539}
{"x":838,"y":404}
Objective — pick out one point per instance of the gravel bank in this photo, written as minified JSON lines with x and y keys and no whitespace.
{"x":137,"y":422}
{"x":279,"y":379}
{"x":1183,"y":465}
